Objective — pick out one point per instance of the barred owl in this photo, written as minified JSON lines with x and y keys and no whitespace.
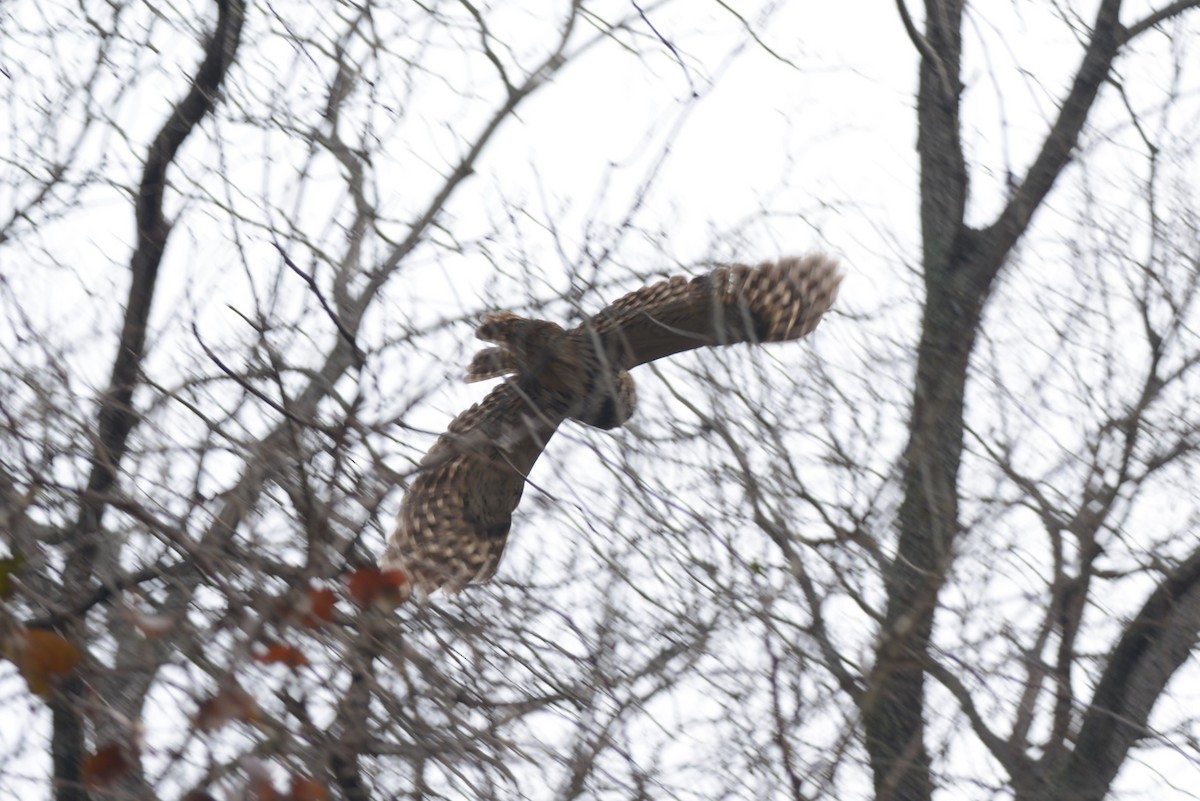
{"x":455,"y":517}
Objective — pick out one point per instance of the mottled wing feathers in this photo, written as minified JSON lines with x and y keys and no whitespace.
{"x":455,"y":517}
{"x":774,"y":302}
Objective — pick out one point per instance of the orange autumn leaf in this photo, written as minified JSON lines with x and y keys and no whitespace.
{"x":105,"y":766}
{"x":44,"y":658}
{"x":280,"y":654}
{"x":364,"y":585}
{"x":385,"y":588}
{"x":263,"y":790}
{"x":308,"y":790}
{"x":229,"y":704}
{"x":320,"y":606}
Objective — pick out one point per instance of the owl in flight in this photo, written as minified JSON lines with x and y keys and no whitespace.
{"x":455,"y":517}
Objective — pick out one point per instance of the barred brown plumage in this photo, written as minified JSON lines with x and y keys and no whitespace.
{"x":455,"y":518}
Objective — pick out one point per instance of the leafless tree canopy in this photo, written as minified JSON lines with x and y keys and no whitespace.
{"x":950,"y":546}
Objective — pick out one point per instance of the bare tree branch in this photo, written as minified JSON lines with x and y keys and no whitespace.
{"x":1154,"y":645}
{"x":1155,"y":18}
{"x":927,"y":52}
{"x":1060,"y":142}
{"x":116,"y":416}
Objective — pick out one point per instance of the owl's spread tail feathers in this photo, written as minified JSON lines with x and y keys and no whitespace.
{"x":447,"y":558}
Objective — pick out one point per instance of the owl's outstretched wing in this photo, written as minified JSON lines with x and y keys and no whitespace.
{"x":455,"y":517}
{"x":773,"y":302}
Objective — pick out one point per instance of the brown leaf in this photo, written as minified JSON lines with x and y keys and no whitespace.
{"x":230,"y":703}
{"x":258,"y":783}
{"x":386,"y":589}
{"x":320,"y":606}
{"x":44,"y":658}
{"x":106,"y":766}
{"x":304,"y":789}
{"x":363,"y":585}
{"x":262,"y":790}
{"x":280,"y":654}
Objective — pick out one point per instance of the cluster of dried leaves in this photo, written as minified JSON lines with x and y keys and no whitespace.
{"x":45,"y":659}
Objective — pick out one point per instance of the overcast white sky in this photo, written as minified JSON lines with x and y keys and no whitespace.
{"x":810,"y":147}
